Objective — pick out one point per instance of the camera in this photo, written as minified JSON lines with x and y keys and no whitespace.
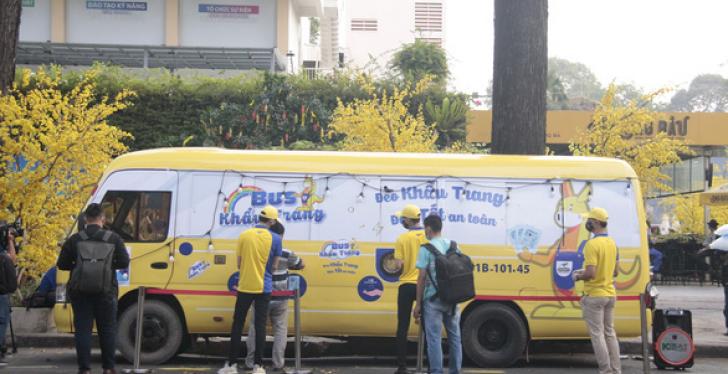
{"x":16,"y":228}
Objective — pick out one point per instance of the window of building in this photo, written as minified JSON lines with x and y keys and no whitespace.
{"x":138,"y":216}
{"x":428,"y":16}
{"x":364,"y":24}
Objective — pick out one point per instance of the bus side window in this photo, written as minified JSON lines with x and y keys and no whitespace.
{"x":138,"y":216}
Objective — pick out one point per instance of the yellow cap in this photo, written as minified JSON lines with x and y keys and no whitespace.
{"x":599,"y":214}
{"x":269,"y":212}
{"x":410,"y":211}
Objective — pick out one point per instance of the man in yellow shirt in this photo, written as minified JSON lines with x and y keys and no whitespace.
{"x":597,"y":304}
{"x":259,"y":251}
{"x":405,"y":254}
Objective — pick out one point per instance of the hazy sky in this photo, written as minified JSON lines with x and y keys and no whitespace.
{"x":650,"y":43}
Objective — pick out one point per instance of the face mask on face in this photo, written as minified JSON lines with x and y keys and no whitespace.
{"x":589,"y":226}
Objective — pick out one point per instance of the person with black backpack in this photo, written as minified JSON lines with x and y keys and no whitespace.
{"x":92,"y":255}
{"x":445,"y":279}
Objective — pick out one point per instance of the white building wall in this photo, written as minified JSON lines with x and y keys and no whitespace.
{"x":294,"y":36}
{"x":330,"y":31}
{"x":35,"y":22}
{"x":395,"y":26}
{"x":87,"y":24}
{"x":228,"y":27}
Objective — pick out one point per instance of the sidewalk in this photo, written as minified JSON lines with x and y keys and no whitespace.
{"x":706,"y":304}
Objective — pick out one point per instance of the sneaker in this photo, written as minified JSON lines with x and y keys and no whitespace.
{"x":401,"y":370}
{"x":228,"y":369}
{"x":257,"y":369}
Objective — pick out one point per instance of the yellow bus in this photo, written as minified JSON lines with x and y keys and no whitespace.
{"x":520,"y":219}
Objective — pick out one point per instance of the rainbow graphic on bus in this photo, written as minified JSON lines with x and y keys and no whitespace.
{"x":238,"y":194}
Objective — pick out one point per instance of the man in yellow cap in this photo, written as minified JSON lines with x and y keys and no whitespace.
{"x":259,"y":250}
{"x":405,"y":254}
{"x":597,"y":304}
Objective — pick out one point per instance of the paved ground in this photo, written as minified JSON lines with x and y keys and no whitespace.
{"x":62,"y":361}
{"x":706,"y":304}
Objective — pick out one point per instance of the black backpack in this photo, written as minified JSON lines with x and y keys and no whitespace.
{"x":454,"y":271}
{"x":8,"y":277}
{"x":93,"y":273}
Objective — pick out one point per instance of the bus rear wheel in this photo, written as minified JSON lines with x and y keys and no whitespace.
{"x":162,"y":332}
{"x":494,"y":335}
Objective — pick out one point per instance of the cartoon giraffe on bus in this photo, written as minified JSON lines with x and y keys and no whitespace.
{"x":566,"y":255}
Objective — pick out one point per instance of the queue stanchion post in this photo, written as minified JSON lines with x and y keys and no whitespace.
{"x":420,"y":351}
{"x":141,"y":293}
{"x":644,"y":334}
{"x":297,"y":327}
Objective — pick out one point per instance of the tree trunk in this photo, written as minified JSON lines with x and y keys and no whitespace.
{"x":9,"y":30}
{"x":520,"y":63}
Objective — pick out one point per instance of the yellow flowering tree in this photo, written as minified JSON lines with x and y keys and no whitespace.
{"x":382,"y":122}
{"x":616,"y":131}
{"x":689,"y":211}
{"x":53,"y":148}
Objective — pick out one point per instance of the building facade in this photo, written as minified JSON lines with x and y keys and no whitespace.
{"x":222,"y":34}
{"x":376,"y":29}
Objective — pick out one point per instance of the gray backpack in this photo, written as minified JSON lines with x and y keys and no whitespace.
{"x":93,"y":273}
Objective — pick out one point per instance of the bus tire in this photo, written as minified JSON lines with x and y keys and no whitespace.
{"x":162,"y":332}
{"x":494,"y":335}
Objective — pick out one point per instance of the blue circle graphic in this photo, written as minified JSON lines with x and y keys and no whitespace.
{"x":370,"y":288}
{"x":233,"y":281}
{"x":302,"y":285}
{"x":185,"y":248}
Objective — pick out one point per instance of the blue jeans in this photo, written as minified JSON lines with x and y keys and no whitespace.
{"x":435,"y":315}
{"x":4,"y":317}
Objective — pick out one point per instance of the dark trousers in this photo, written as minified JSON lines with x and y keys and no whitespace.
{"x":102,"y":309}
{"x":242,"y":305}
{"x":725,"y":306}
{"x":405,"y":298}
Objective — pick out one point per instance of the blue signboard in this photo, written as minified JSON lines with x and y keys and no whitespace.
{"x":117,"y":5}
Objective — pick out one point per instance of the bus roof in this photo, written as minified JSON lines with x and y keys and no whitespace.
{"x":376,"y":163}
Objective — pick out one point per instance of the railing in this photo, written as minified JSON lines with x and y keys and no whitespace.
{"x":315,"y":73}
{"x":681,"y":264}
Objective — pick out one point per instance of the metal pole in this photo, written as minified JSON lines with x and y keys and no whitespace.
{"x":141,"y":291}
{"x":706,"y":207}
{"x":146,"y":59}
{"x":420,"y":351}
{"x":297,"y":339}
{"x":645,"y":337}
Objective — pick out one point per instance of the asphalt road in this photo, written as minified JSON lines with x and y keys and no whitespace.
{"x":62,"y":360}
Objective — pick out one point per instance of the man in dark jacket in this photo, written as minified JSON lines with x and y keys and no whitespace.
{"x":724,"y":279}
{"x":99,"y":307}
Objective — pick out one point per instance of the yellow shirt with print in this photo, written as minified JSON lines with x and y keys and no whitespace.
{"x":601,"y":252}
{"x":254,"y":246}
{"x":406,"y":249}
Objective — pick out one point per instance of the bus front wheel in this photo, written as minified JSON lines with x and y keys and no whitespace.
{"x":494,"y":335}
{"x":162,"y":332}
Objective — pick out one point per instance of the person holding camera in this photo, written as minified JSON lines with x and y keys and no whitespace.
{"x":8,"y":257}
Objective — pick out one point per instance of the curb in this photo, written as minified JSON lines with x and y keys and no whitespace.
{"x":330,"y":347}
